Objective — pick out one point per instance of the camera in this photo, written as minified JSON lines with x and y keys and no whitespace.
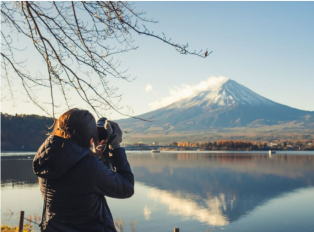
{"x":102,"y":133}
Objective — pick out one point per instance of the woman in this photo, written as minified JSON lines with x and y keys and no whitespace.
{"x":74,"y":181}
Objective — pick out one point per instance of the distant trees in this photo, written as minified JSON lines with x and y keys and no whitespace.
{"x":229,"y":145}
{"x":246,"y":145}
{"x":219,"y":145}
{"x":23,"y":132}
{"x":310,"y":145}
{"x":175,"y":144}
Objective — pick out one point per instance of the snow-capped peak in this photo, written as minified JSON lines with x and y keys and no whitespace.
{"x":220,"y":92}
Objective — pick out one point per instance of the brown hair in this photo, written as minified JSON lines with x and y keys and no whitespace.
{"x":78,"y":126}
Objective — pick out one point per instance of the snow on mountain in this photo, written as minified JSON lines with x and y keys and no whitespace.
{"x":222,"y":92}
{"x":217,"y":103}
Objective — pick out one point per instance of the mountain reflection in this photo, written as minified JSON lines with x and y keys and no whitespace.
{"x":209,"y":210}
{"x":217,"y":189}
{"x":214,"y":189}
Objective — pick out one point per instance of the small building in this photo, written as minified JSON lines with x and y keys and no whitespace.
{"x":273,"y":144}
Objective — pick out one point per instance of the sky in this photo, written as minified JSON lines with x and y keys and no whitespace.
{"x":265,"y":46}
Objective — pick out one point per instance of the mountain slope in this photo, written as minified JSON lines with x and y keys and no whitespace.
{"x":225,"y":104}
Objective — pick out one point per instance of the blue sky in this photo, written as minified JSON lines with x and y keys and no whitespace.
{"x":265,"y":46}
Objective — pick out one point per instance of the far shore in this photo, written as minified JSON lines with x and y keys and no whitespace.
{"x":32,"y":153}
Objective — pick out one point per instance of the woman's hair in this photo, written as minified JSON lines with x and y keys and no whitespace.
{"x":78,"y":126}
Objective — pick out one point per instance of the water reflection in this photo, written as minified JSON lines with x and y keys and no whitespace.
{"x":220,"y":188}
{"x":17,"y":171}
{"x":210,"y":210}
{"x":210,"y":189}
{"x":147,"y":212}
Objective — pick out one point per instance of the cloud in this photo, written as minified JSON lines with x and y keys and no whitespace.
{"x":148,"y":88}
{"x":177,"y":93}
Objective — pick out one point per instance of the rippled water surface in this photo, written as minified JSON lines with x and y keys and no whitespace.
{"x":238,"y":191}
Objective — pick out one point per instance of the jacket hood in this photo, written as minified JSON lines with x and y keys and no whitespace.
{"x":56,"y":156}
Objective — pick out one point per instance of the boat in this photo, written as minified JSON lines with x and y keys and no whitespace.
{"x":270,"y":152}
{"x":155,"y":151}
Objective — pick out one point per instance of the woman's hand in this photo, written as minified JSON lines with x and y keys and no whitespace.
{"x":113,"y":128}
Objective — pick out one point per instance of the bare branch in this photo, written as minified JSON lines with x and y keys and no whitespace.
{"x":78,"y":52}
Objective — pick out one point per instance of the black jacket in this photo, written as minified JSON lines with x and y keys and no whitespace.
{"x":77,"y":183}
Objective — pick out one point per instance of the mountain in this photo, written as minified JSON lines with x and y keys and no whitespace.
{"x":224,"y":104}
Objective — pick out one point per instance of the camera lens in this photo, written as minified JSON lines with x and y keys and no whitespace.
{"x":102,"y":133}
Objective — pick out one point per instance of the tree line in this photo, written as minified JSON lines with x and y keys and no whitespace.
{"x":248,"y":145}
{"x":23,"y":132}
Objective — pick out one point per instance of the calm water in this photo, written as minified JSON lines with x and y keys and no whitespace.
{"x":193,"y":191}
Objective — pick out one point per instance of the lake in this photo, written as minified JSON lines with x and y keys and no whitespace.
{"x":195,"y":191}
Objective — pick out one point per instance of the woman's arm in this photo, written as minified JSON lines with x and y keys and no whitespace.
{"x":119,"y":184}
